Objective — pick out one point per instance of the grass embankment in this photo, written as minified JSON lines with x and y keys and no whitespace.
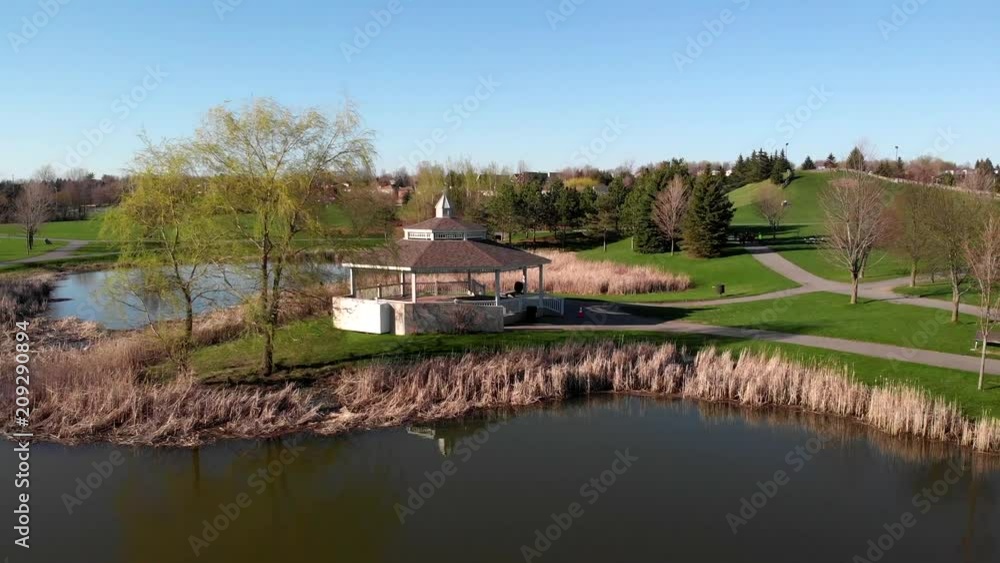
{"x":314,"y":348}
{"x":383,"y":394}
{"x":737,"y":269}
{"x":832,"y":315}
{"x":82,"y":404}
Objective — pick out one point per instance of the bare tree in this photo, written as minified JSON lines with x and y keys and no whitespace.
{"x":669,"y":208}
{"x":769,"y":202}
{"x":952,"y":225}
{"x":45,"y":174}
{"x":32,"y":209}
{"x":911,"y":236}
{"x":980,"y":181}
{"x":983,"y":255}
{"x":856,"y":222}
{"x":78,"y":174}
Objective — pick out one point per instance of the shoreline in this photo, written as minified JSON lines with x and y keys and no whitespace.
{"x":433,"y":390}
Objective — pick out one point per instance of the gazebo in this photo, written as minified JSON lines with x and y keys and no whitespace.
{"x":431,"y":250}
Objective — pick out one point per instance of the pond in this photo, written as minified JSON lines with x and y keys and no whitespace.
{"x":86,"y":296}
{"x":605,"y":479}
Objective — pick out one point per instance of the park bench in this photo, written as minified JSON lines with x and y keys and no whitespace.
{"x":993,"y":338}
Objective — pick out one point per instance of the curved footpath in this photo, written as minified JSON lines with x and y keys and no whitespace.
{"x":608,"y":316}
{"x":811,"y":283}
{"x":62,"y":253}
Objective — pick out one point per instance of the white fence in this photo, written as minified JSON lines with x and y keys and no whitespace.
{"x":520,"y":304}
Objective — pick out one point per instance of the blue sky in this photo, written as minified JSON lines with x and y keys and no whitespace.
{"x":597,"y":74}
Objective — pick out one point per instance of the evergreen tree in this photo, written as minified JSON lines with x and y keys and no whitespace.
{"x":856,"y":160}
{"x":808,"y":164}
{"x":637,"y":217}
{"x":505,"y":209}
{"x":706,"y":226}
{"x":617,"y":193}
{"x":831,"y":161}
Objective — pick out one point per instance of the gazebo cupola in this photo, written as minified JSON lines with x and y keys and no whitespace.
{"x":443,"y":226}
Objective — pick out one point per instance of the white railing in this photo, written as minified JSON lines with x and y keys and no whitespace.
{"x":555,"y":304}
{"x":518,"y":305}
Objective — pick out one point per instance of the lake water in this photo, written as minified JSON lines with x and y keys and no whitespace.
{"x":86,"y":296}
{"x":667,"y":474}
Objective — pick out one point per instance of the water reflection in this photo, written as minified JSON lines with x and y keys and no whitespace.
{"x":88,"y":295}
{"x":336,"y":498}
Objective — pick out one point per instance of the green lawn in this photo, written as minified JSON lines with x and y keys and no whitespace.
{"x":738,"y":270}
{"x":16,"y":249}
{"x":313,"y":348}
{"x":832,"y":315}
{"x":78,"y":230}
{"x":819,"y":261}
{"x":939,"y":290}
{"x":802,"y":195}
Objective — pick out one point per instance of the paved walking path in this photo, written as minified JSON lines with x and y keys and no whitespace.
{"x":811,"y":283}
{"x":610,"y":318}
{"x":60,"y":253}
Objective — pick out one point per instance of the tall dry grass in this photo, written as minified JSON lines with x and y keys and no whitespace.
{"x":79,"y":398}
{"x":570,"y":275}
{"x":384,"y":394}
{"x":102,"y":392}
{"x":23,"y":298}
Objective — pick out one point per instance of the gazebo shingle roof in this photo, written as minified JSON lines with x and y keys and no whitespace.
{"x":450,"y":256}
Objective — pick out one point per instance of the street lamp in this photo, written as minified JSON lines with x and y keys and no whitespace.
{"x":897,"y":153}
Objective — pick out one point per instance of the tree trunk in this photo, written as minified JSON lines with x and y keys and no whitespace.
{"x":672,"y":246}
{"x":267,"y":354}
{"x":956,"y":302}
{"x":31,"y":240}
{"x":854,"y":289}
{"x":605,"y":241}
{"x":633,"y":243}
{"x":982,"y":364}
{"x":913,"y":274}
{"x":188,"y":322}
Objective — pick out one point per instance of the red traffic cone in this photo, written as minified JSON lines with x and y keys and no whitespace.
{"x":579,"y":314}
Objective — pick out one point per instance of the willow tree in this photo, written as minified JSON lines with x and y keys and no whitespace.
{"x":266,"y":163}
{"x":164,"y":228}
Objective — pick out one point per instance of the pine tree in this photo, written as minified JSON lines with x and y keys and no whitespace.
{"x":808,"y":164}
{"x":706,"y":226}
{"x":831,"y":161}
{"x":856,"y":160}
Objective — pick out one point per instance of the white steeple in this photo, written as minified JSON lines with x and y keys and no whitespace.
{"x":443,"y":207}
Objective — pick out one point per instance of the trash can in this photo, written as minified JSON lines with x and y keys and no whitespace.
{"x":531,"y":313}
{"x":721,"y":288}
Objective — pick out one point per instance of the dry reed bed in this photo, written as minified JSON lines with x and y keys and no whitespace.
{"x":386,"y":394}
{"x":24,"y":297}
{"x":78,"y":398}
{"x":99,"y":392}
{"x":568,"y":274}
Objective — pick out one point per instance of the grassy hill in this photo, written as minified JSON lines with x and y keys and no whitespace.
{"x":804,"y":219}
{"x":802,"y":195}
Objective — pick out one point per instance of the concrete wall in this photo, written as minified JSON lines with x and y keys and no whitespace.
{"x":360,"y":315}
{"x":446,"y":318}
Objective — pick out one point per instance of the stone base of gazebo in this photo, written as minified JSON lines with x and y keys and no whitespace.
{"x":424,"y":317}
